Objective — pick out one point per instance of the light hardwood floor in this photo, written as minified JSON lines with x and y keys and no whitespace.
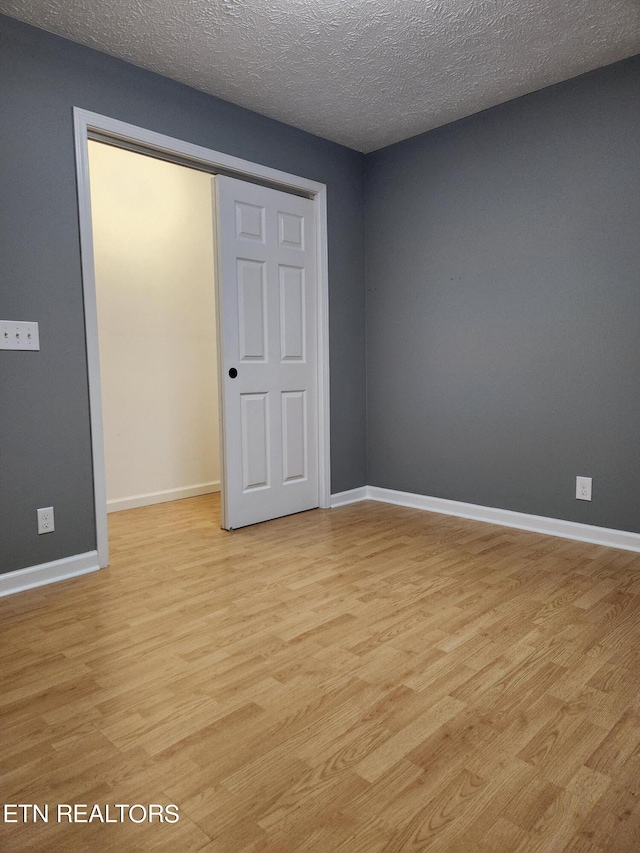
{"x":364,"y":679}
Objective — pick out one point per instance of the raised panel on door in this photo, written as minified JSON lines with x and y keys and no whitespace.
{"x":268,"y":314}
{"x":250,"y":220}
{"x":254,"y":429}
{"x":291,"y":228}
{"x":294,"y":436}
{"x":252,"y":309}
{"x":292,"y":313}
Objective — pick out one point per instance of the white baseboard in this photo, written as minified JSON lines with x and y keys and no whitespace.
{"x":351,"y":496}
{"x":134,"y":501}
{"x":45,"y":573}
{"x":507,"y":518}
{"x":82,"y":564}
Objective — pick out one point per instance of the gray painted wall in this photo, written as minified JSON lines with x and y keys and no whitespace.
{"x":503,"y":305}
{"x":45,"y":455}
{"x":503,"y":291}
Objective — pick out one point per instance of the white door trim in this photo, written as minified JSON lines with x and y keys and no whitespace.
{"x":86,"y":122}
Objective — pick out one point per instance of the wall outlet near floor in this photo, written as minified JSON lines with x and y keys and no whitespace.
{"x":583,"y":488}
{"x":45,"y":520}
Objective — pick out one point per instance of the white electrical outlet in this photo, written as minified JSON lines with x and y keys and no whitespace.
{"x":583,"y":488}
{"x":15,"y":334}
{"x":45,"y":520}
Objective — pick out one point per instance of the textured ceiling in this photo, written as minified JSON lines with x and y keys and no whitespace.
{"x":364,"y":73}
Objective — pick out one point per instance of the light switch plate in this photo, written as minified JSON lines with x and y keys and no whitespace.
{"x":19,"y":334}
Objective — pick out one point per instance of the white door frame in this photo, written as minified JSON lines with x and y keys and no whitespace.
{"x":86,"y":122}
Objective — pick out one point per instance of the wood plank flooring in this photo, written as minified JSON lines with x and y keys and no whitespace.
{"x":364,"y":679}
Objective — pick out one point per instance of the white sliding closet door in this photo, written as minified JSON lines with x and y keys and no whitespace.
{"x":267,"y":289}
